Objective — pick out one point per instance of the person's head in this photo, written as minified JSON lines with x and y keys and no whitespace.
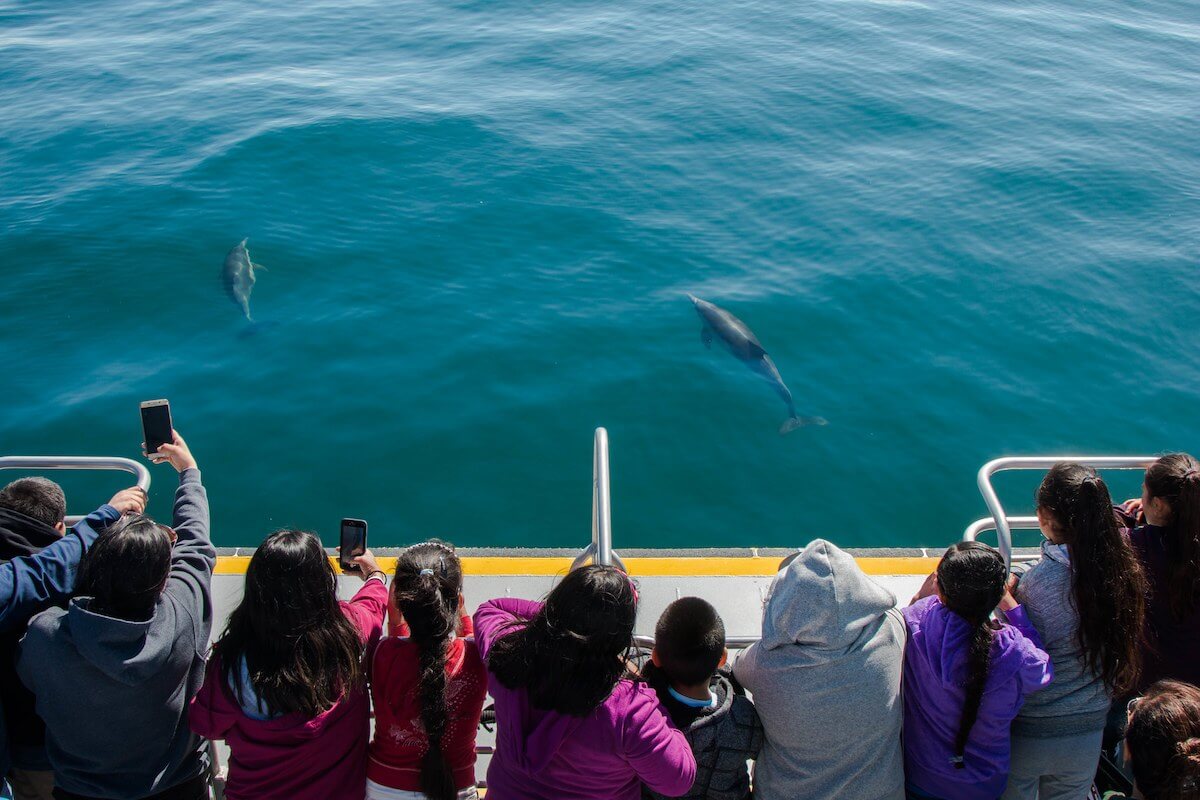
{"x":1162,"y":742}
{"x":126,"y":568}
{"x":1171,"y":499}
{"x":39,"y":498}
{"x":302,"y":654}
{"x":970,"y":583}
{"x":427,"y":591}
{"x":689,"y":642}
{"x":572,"y":653}
{"x":1074,"y":508}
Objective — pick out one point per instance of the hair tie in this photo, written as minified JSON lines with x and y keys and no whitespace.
{"x":426,"y":572}
{"x":1192,"y":471}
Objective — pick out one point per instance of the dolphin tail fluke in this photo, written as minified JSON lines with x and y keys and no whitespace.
{"x":257,"y":267}
{"x":791,"y":423}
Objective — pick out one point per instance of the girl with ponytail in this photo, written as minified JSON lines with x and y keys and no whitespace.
{"x":1167,"y":542}
{"x":966,"y":677}
{"x":1162,"y":742}
{"x":1086,"y":598}
{"x":428,"y":683}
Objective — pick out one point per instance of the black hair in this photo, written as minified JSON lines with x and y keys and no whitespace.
{"x":426,"y":589}
{"x":39,"y":498}
{"x":571,"y":655}
{"x":690,"y":640}
{"x":1176,"y":478}
{"x":126,"y":568}
{"x":301,"y":652}
{"x":1164,"y":742}
{"x":1107,"y":581}
{"x":971,"y":578}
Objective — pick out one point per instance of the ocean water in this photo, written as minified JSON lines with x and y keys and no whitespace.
{"x":961,"y":229}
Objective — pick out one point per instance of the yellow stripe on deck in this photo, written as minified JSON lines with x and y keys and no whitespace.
{"x":657,"y":567}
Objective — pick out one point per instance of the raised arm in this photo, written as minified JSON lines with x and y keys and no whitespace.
{"x":193,"y":557}
{"x":29,"y":584}
{"x":495,"y":617}
{"x":369,"y":605}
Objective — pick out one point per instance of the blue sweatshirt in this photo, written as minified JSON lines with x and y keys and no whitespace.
{"x":29,"y":584}
{"x":114,"y":693}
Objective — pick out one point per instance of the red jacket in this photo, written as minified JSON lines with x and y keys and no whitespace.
{"x":400,"y":741}
{"x":295,"y":757}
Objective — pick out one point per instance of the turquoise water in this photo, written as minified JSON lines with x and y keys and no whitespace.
{"x":961,"y":229}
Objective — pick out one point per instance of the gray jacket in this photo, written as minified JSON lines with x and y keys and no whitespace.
{"x":114,"y":694}
{"x":826,"y":683}
{"x":1076,"y":702}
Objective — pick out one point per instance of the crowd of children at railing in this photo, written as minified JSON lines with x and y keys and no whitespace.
{"x":986,"y":686}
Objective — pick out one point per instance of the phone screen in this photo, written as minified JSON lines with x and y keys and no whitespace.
{"x":156,"y":424}
{"x":353,"y":542}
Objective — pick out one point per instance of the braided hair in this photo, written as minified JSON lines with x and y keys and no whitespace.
{"x":427,"y":589}
{"x":971,"y":579}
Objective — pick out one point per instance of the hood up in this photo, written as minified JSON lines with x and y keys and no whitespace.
{"x":825,"y":603}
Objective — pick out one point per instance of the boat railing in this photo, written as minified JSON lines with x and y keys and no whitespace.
{"x":1004,"y":524}
{"x":138,"y":470}
{"x":600,"y":550}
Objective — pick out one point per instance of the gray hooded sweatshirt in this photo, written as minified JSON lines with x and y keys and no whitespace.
{"x":114,"y":694}
{"x":826,"y":683}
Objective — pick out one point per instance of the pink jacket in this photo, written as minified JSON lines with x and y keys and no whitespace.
{"x":607,"y":755}
{"x":322,"y":758}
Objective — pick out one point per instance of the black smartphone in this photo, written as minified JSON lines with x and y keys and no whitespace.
{"x":353,"y":543}
{"x":156,"y":424}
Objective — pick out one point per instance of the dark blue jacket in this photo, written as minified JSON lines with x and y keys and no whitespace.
{"x":30,"y":584}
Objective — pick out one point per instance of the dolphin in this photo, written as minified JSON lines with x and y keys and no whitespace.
{"x":238,"y":276}
{"x":743,"y":344}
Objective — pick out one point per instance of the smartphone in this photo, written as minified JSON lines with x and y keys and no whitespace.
{"x":353,"y":543}
{"x":156,"y":424}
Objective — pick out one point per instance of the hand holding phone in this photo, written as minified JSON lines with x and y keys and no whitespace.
{"x":353,"y":543}
{"x":156,"y":425}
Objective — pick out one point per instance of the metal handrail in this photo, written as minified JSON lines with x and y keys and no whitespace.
{"x":736,"y":642}
{"x":79,"y":462}
{"x":1001,"y":519}
{"x":600,"y":550}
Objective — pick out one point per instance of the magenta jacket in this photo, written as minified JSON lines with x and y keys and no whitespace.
{"x":292,"y":756}
{"x":607,"y":755}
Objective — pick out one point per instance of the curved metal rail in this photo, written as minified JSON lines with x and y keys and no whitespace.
{"x":1001,"y":521}
{"x":600,"y":551}
{"x":138,"y":469}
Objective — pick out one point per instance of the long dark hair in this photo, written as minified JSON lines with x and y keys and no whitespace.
{"x":1176,"y":478}
{"x":571,"y":655}
{"x":971,"y":578}
{"x":1106,"y":577}
{"x":125,"y":570}
{"x":302,"y":653}
{"x":1164,"y":742}
{"x":426,"y":590}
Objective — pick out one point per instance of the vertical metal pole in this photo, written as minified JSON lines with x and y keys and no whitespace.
{"x":601,"y":508}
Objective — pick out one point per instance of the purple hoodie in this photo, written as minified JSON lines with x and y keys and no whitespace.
{"x":935,"y":669}
{"x":544,"y":755}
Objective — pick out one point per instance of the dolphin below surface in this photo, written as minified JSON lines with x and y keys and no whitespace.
{"x":743,"y":344}
{"x":238,"y":276}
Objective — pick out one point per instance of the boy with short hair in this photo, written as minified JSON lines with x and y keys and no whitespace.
{"x":703,"y":701}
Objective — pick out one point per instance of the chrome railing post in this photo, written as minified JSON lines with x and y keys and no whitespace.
{"x":1004,"y":523}
{"x":138,"y":469}
{"x":600,"y":550}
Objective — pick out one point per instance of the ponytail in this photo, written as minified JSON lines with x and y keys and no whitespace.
{"x":1106,"y":577}
{"x":971,"y":577}
{"x":426,"y":589}
{"x":1176,"y":479}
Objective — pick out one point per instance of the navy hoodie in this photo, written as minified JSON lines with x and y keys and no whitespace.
{"x":114,"y":694}
{"x":31,"y":583}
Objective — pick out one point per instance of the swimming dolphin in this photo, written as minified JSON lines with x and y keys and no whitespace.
{"x":238,"y":276}
{"x":743,"y":344}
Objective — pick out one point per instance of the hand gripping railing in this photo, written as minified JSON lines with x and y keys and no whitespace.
{"x":1004,"y":524}
{"x":600,"y":551}
{"x":79,"y":462}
